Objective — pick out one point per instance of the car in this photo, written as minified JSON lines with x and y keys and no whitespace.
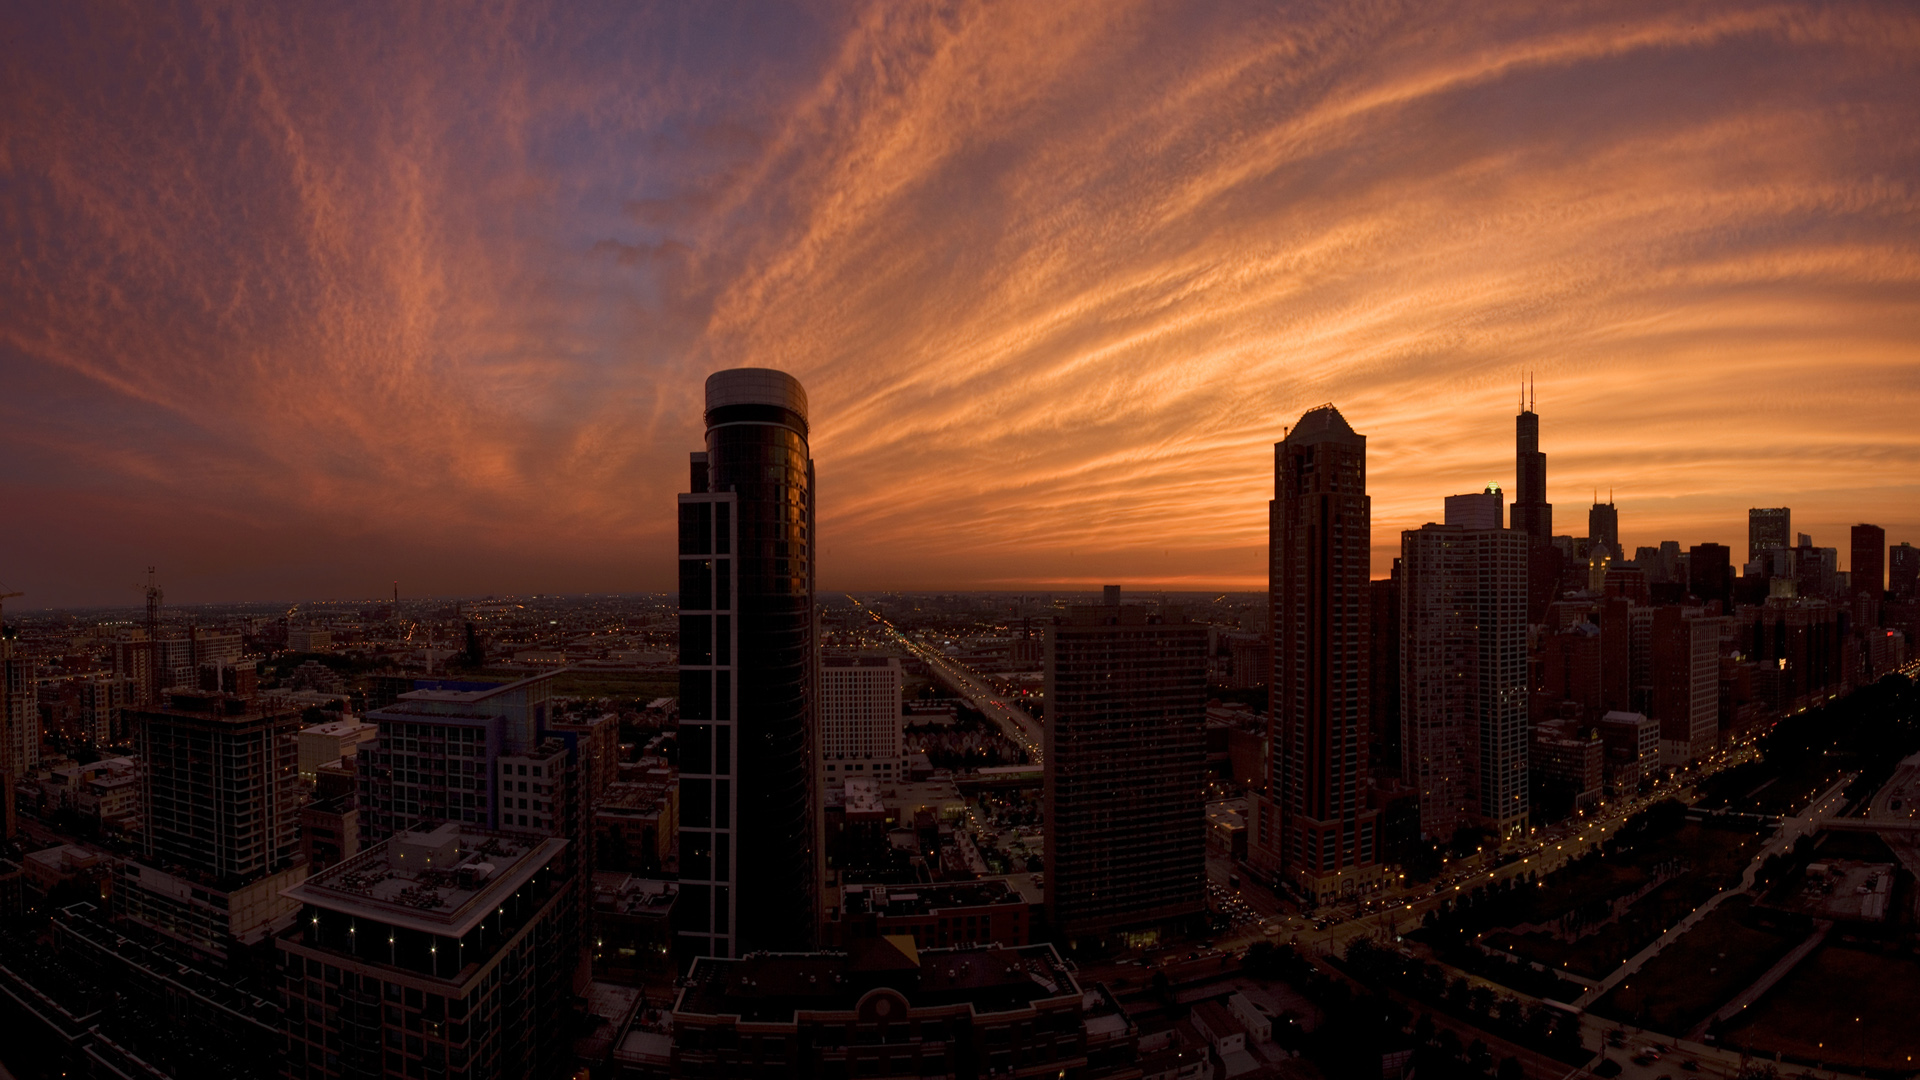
{"x":1690,"y":1066}
{"x":1642,"y":1060}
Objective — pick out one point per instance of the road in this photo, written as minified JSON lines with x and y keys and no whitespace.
{"x":974,"y":687}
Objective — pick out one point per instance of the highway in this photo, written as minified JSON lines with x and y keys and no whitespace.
{"x":971,"y":685}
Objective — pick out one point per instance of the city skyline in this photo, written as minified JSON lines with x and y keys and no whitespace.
{"x":1054,"y":278}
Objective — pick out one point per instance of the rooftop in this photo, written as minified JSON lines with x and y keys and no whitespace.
{"x":920,"y":899}
{"x":772,"y":987}
{"x":440,"y":882}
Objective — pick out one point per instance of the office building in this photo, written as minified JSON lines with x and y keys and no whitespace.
{"x":1768,"y":528}
{"x":748,"y":724}
{"x":1869,"y":565}
{"x":1632,"y":743}
{"x":1125,"y":763}
{"x":1383,"y":672}
{"x":1685,"y":669}
{"x":1463,"y":678}
{"x":1710,"y":574}
{"x":1314,"y":826}
{"x":436,"y":753}
{"x":1903,"y":572}
{"x":1533,"y":514}
{"x":1603,"y":527}
{"x":1476,"y":510}
{"x":860,"y":717}
{"x":445,"y":953}
{"x":218,"y":782}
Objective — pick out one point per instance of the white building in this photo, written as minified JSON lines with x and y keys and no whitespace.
{"x":331,"y":742}
{"x":860,"y":717}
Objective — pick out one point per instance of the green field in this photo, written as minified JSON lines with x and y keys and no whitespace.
{"x":1844,"y":1007}
{"x":1722,"y":955}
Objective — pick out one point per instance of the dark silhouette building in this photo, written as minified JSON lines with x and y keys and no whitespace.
{"x":1383,"y":669}
{"x":1869,"y":565}
{"x":1125,"y":768}
{"x":748,"y":835}
{"x":1710,"y":573}
{"x":1533,"y":514}
{"x":1768,"y":528}
{"x":1315,"y":826}
{"x":1603,"y":526}
{"x":1903,"y":571}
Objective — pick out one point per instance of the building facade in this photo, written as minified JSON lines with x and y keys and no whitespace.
{"x":1869,"y":566}
{"x":860,"y":717}
{"x":1315,"y":826}
{"x":443,"y":953}
{"x":1464,"y":677}
{"x":750,"y":856}
{"x":1124,"y":769}
{"x":1768,"y":529}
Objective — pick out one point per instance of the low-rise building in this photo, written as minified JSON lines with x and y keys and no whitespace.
{"x":938,"y":914}
{"x":885,"y":1007}
{"x":331,"y":742}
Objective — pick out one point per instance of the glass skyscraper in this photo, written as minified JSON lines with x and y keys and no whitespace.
{"x":748,"y":844}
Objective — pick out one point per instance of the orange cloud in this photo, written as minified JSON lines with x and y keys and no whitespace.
{"x":306,"y":300}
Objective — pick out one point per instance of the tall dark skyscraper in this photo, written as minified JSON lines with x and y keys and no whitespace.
{"x":1315,"y":823}
{"x":1869,"y":565}
{"x":1710,"y":573}
{"x":1126,"y":761}
{"x":1903,"y":571}
{"x":1603,"y":526}
{"x":1768,"y":528}
{"x":748,"y":839}
{"x":1532,"y":513}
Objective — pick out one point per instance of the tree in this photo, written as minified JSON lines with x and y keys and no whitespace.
{"x":1510,"y":1069}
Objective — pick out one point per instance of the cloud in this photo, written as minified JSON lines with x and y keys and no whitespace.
{"x":380,"y":290}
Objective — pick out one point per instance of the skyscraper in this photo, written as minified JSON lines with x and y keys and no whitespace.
{"x":1532,"y":513}
{"x":1768,"y":528}
{"x":748,"y":835}
{"x":1315,"y":821}
{"x":1603,"y":526}
{"x":1125,"y":764}
{"x":1710,"y":573}
{"x":1903,"y":571}
{"x":1464,"y":677}
{"x":1869,"y":566}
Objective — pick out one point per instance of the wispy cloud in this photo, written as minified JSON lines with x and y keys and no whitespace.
{"x":328,"y":296}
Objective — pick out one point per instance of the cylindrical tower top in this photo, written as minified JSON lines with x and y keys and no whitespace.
{"x":756,"y":395}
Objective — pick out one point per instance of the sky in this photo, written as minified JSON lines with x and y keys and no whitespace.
{"x":297,"y":301}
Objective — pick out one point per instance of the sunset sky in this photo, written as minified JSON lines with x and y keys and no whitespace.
{"x":299,"y":299}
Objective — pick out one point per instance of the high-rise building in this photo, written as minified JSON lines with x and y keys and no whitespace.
{"x":860,"y":717}
{"x":19,"y":714}
{"x":1710,"y":573}
{"x":1533,"y":514}
{"x":220,"y":793}
{"x":1603,"y":527}
{"x":1768,"y":528}
{"x":1125,"y":765}
{"x":749,"y":827}
{"x":1464,"y":677}
{"x":441,"y":952}
{"x":1315,"y":826}
{"x":1869,"y":566}
{"x":1476,"y":510}
{"x":1383,"y":670}
{"x":1903,"y":571}
{"x":1685,"y":670}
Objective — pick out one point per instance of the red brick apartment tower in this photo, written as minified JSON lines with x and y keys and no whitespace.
{"x":1316,"y":831}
